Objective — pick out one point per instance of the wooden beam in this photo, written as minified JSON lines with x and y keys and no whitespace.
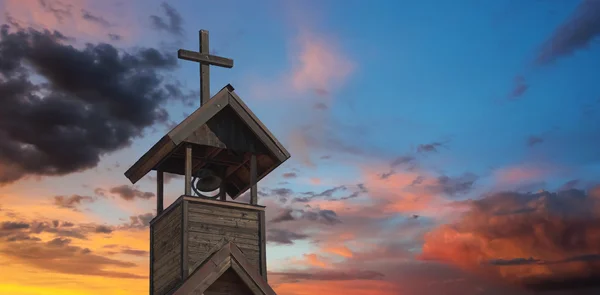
{"x":204,"y":69}
{"x":208,"y":59}
{"x":188,"y":170}
{"x":159,"y":192}
{"x":253,"y":176}
{"x":223,"y":188}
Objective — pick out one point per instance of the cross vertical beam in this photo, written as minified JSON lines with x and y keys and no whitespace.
{"x":205,"y":60}
{"x":204,"y":69}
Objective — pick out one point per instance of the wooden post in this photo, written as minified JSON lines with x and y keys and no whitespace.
{"x":204,"y":69}
{"x":188,"y":170}
{"x":159,"y":192}
{"x":223,"y":188}
{"x":253,"y":177}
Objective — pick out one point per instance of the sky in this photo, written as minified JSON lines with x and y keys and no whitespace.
{"x":438,"y":147}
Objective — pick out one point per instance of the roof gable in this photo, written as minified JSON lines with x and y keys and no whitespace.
{"x":241,"y":124}
{"x":229,"y":258}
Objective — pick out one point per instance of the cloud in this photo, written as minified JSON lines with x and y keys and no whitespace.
{"x":332,"y":275}
{"x":173,"y":22}
{"x":72,"y":202}
{"x":576,"y":33}
{"x":289,"y":175}
{"x":65,"y":123}
{"x":519,"y":88}
{"x":551,"y":237}
{"x":95,"y":19}
{"x":324,"y":216}
{"x":60,"y":256}
{"x":130,"y":193}
{"x":319,"y":65}
{"x":534,"y":140}
{"x":281,"y":236}
{"x":429,"y":147}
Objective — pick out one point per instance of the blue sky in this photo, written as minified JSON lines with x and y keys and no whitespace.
{"x":423,"y":111}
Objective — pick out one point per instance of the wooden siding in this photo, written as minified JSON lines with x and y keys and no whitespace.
{"x":226,"y":130}
{"x":166,"y":250}
{"x":208,"y":223}
{"x":229,"y":283}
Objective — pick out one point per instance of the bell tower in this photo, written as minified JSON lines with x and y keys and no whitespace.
{"x":202,"y":243}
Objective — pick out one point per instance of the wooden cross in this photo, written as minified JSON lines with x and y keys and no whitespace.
{"x":205,"y":59}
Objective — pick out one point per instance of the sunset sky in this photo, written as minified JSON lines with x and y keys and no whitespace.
{"x":438,"y":147}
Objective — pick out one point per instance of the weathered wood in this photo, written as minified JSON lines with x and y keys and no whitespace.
{"x":150,"y":159}
{"x":194,"y":200}
{"x":165,"y":249}
{"x":263,"y":245}
{"x":188,"y":170}
{"x":253,"y":176}
{"x":223,"y":211}
{"x":243,"y":276}
{"x":203,"y":58}
{"x":151,"y":262}
{"x":229,"y":283}
{"x":185,"y":239}
{"x":252,"y":272}
{"x":204,"y":68}
{"x":159,"y":192}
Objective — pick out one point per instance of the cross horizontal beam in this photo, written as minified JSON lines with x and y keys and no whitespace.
{"x":205,"y":58}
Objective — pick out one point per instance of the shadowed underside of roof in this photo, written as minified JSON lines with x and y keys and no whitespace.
{"x":223,"y":133}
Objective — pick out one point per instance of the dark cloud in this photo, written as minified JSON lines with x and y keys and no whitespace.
{"x":429,"y":147}
{"x":141,"y":221}
{"x":135,"y":252}
{"x":104,"y":229}
{"x":408,"y":162}
{"x":129,"y":193}
{"x":173,"y":22}
{"x":330,"y":275}
{"x":323,"y":216}
{"x":551,"y":237}
{"x":11,"y":225}
{"x":576,"y":33}
{"x":59,"y":255}
{"x":453,"y":186}
{"x":534,"y":140}
{"x":95,"y":18}
{"x":327,"y":194}
{"x":115,"y":37}
{"x":57,"y":8}
{"x":282,"y":236}
{"x":72,"y":202}
{"x":320,"y":106}
{"x":290,"y":175}
{"x":88,"y":102}
{"x":519,"y":88}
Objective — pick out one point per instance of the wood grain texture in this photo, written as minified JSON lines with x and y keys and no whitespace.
{"x":165,"y":250}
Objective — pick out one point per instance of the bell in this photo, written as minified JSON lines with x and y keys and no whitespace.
{"x":207,"y":181}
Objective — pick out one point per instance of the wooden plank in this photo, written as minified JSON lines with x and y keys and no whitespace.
{"x":253,"y":180}
{"x":225,"y":204}
{"x":159,"y":192}
{"x":217,"y":246}
{"x":199,"y":228}
{"x":184,"y":240}
{"x":151,"y":287}
{"x":229,"y":283}
{"x":204,"y":69}
{"x":263,"y":246}
{"x":223,"y":212}
{"x":200,"y":276}
{"x":150,"y":159}
{"x":263,"y":128}
{"x":209,"y":239}
{"x":167,"y":211}
{"x":208,"y":59}
{"x":199,"y":117}
{"x":251,"y":271}
{"x":214,"y":275}
{"x":188,"y":170}
{"x":224,"y":221}
{"x":256,"y":290}
{"x":262,"y":136}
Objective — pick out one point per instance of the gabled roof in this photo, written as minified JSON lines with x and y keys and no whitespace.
{"x":228,"y":257}
{"x":222,"y":105}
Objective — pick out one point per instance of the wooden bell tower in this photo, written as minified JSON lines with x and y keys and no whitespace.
{"x":201,"y":244}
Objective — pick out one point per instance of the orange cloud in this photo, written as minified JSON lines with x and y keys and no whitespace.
{"x":339,"y":250}
{"x":319,"y":65}
{"x":537,"y":240}
{"x":74,"y":18}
